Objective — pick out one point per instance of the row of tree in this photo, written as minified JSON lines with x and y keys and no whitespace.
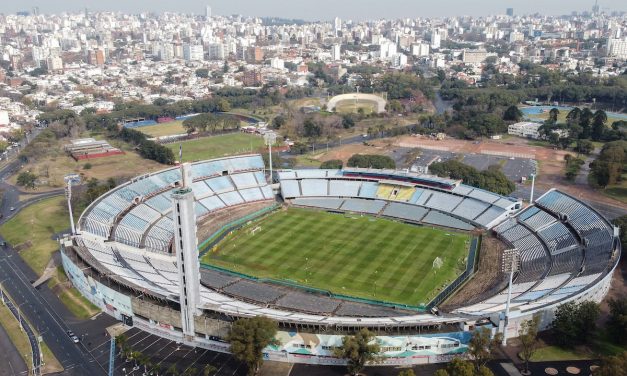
{"x":492,"y":179}
{"x":209,"y":122}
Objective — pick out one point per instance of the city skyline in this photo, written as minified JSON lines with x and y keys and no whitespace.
{"x":321,"y":10}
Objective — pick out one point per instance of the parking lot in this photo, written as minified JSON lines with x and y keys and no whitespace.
{"x":165,"y":353}
{"x":513,"y":168}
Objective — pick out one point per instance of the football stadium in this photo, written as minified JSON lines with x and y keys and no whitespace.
{"x":420,"y":260}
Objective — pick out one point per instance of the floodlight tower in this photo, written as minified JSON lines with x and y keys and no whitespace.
{"x":270,"y":139}
{"x":186,"y":246}
{"x":533,"y":183}
{"x":510,"y":264}
{"x":70,"y":180}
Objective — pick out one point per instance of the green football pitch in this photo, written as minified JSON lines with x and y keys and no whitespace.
{"x":353,"y":255}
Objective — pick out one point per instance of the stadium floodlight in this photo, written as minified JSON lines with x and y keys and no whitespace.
{"x":533,"y":183}
{"x":270,"y":139}
{"x":511,"y":264}
{"x":70,"y":180}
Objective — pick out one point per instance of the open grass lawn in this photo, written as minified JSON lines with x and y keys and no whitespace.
{"x":217,"y":146}
{"x":618,"y":191}
{"x":32,"y":228}
{"x":349,"y":106}
{"x":555,"y":353}
{"x":354,"y":255}
{"x":164,"y":129}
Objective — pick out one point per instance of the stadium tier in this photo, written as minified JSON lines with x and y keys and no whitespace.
{"x":122,"y":258}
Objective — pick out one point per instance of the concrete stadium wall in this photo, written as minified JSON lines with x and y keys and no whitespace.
{"x":380,"y":102}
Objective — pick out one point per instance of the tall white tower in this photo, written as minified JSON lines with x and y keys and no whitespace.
{"x":207,"y":12}
{"x":186,"y":246}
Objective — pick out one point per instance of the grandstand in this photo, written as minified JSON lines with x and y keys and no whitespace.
{"x":122,"y":257}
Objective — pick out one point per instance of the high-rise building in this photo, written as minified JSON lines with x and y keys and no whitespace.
{"x":435,"y":38}
{"x":510,"y":12}
{"x":207,"y":12}
{"x":617,"y":48}
{"x":193,"y":52}
{"x":337,"y":25}
{"x":55,"y":64}
{"x":277,"y":63}
{"x":336,"y":52}
{"x":186,"y":247}
{"x":215,"y":51}
{"x":420,"y":49}
{"x":96,"y":57}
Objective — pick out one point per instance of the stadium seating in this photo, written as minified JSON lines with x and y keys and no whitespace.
{"x":565,"y":247}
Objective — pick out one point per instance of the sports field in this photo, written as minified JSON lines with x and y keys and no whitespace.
{"x":217,"y":146}
{"x":360,"y":256}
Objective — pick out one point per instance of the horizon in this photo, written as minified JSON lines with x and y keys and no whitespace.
{"x":323,"y":10}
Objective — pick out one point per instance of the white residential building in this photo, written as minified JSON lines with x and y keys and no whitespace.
{"x":215,"y":51}
{"x":617,"y":48}
{"x":436,"y":39}
{"x":336,"y":52}
{"x":193,"y":52}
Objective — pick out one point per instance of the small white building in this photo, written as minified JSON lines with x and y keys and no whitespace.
{"x":525,"y":129}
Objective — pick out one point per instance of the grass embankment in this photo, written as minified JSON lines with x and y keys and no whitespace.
{"x":20,"y":340}
{"x":31,"y":231}
{"x":218,"y":146}
{"x":354,"y":255}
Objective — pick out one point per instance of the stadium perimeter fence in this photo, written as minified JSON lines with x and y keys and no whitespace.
{"x":470,"y":270}
{"x":228,"y":228}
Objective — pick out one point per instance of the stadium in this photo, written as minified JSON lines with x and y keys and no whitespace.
{"x":418,"y":259}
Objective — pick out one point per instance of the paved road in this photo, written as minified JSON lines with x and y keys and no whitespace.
{"x":45,"y":311}
{"x":26,"y":327}
{"x":12,"y":362}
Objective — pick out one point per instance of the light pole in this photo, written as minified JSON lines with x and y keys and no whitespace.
{"x":510,"y":264}
{"x":70,"y":180}
{"x":270,"y":139}
{"x":533,"y":184}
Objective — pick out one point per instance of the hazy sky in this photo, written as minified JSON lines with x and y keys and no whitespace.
{"x":320,"y":9}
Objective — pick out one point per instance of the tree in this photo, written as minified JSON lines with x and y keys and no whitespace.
{"x":575,"y":322}
{"x":27,"y":179}
{"x":612,"y":366}
{"x":482,"y":346}
{"x":553,"y":114}
{"x":622,"y":223}
{"x":528,"y":336}
{"x":358,"y":350}
{"x":332,"y":164}
{"x":202,"y":73}
{"x":608,"y":167}
{"x":278,"y":121}
{"x":371,"y":161}
{"x":573,"y":116}
{"x":598,"y":125}
{"x":208,"y":370}
{"x":617,"y":322}
{"x":512,"y":113}
{"x":407,"y":372}
{"x":584,"y":147}
{"x":457,"y":367}
{"x":249,"y":337}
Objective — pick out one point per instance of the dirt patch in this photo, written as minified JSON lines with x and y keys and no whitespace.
{"x":213,"y":223}
{"x":487,"y":280}
{"x":346,"y":151}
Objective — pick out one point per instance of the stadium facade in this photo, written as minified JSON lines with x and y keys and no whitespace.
{"x":129,"y":257}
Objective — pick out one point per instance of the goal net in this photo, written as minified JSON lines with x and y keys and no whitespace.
{"x":437,"y":263}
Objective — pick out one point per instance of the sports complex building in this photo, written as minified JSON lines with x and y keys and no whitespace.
{"x":144,"y":252}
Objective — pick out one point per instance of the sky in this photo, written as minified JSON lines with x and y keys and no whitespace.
{"x":313,"y":10}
